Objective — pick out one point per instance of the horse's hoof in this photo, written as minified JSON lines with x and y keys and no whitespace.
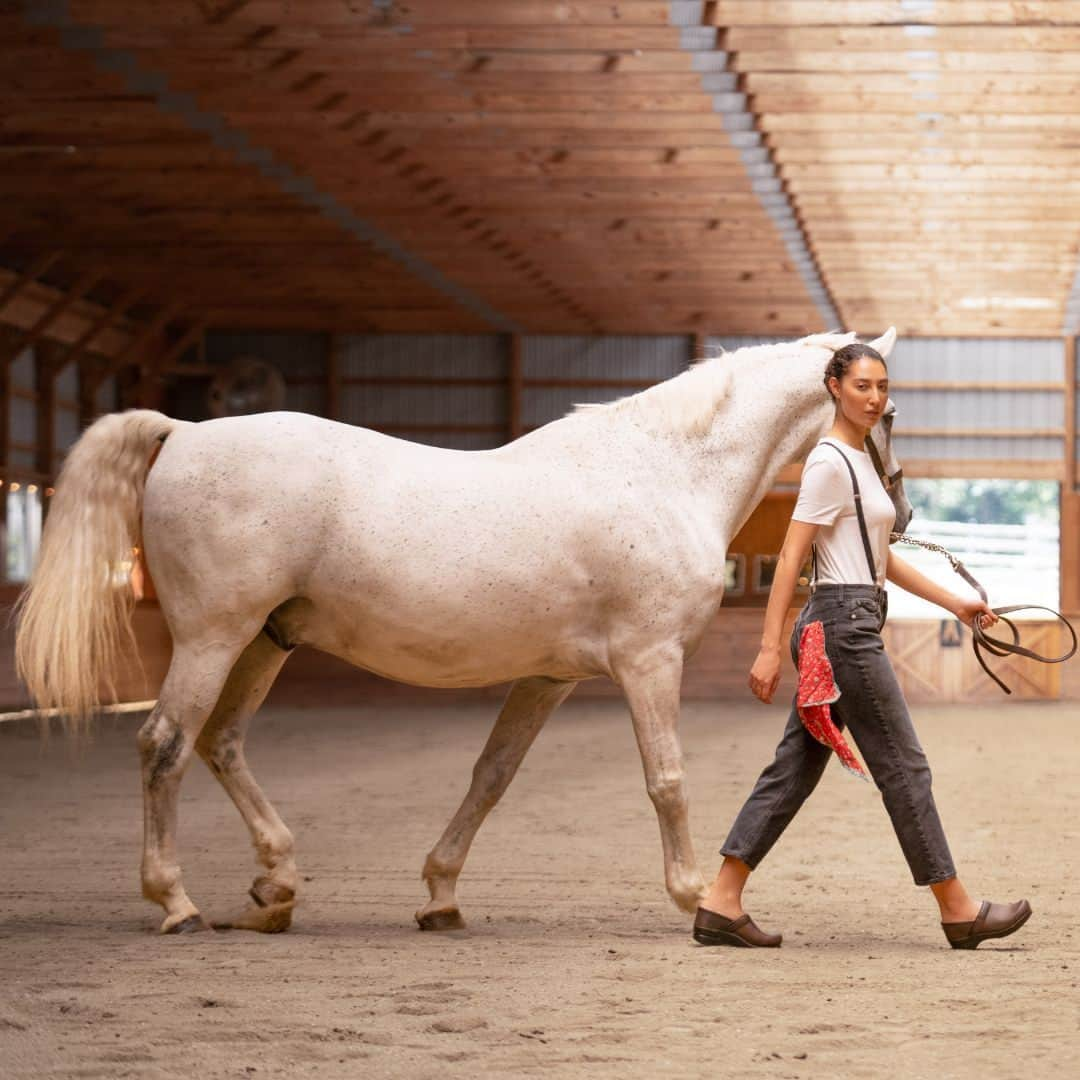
{"x":441,"y":920}
{"x":268,"y":893}
{"x":263,"y":919}
{"x":193,"y":924}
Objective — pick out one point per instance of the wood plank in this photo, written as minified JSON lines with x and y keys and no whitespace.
{"x":990,"y":40}
{"x":331,"y":15}
{"x":870,"y":12}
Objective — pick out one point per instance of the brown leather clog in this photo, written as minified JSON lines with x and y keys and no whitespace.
{"x":993,"y":921}
{"x":743,"y":932}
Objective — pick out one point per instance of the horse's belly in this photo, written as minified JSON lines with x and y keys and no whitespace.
{"x":455,"y":656}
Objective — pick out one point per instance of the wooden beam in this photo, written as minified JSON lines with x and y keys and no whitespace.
{"x":30,"y":337}
{"x":88,"y":385}
{"x":6,"y":337}
{"x":514,"y":384}
{"x":45,"y":385}
{"x":139,"y":341}
{"x":27,"y":277}
{"x":1070,"y":414}
{"x":177,"y":349}
{"x":1069,"y":535}
{"x":334,"y":346}
{"x":697,"y":347}
{"x":75,"y":352}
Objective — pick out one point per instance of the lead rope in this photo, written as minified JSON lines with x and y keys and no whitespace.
{"x":979,"y":638}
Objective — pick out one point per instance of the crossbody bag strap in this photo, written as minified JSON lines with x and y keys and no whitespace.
{"x":858,"y":513}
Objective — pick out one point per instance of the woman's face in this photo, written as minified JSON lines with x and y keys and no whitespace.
{"x":863,"y":391}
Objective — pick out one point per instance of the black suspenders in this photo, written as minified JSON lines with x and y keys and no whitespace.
{"x":859,"y":514}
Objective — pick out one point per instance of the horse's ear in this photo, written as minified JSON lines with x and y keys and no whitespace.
{"x":885,"y":343}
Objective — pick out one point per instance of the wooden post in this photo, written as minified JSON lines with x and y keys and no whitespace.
{"x":333,"y":376}
{"x":6,"y":336}
{"x":89,"y":381}
{"x":45,"y":385}
{"x":697,"y":347}
{"x":514,"y":386}
{"x":1069,"y":551}
{"x":175,"y":351}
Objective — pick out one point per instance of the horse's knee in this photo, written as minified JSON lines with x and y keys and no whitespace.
{"x":667,"y":792}
{"x":220,"y":749}
{"x":161,"y":744}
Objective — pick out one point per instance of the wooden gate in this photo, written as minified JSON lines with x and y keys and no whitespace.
{"x":934,"y":661}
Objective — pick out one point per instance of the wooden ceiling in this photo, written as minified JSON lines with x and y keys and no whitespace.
{"x":549,"y":167}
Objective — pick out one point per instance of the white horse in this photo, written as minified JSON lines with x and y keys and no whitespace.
{"x":592,"y":546}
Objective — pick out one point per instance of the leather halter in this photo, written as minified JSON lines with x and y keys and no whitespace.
{"x":879,"y":466}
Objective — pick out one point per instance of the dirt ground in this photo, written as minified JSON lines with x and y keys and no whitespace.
{"x":574,"y":963}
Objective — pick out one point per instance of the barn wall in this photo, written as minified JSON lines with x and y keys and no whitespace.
{"x":445,"y":390}
{"x":454,"y":390}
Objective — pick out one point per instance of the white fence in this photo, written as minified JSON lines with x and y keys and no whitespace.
{"x":1016,"y":564}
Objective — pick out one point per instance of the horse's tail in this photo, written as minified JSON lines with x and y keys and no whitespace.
{"x":75,"y":616}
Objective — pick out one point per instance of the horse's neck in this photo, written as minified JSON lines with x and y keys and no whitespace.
{"x":749,"y":444}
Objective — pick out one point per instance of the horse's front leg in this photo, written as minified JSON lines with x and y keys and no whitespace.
{"x":652,"y":688}
{"x":528,"y":705}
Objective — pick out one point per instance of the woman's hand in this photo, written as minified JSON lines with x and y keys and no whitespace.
{"x":765,"y":674}
{"x":967,"y":611}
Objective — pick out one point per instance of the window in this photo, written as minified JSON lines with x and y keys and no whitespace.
{"x":22,"y":534}
{"x":1005,"y":532}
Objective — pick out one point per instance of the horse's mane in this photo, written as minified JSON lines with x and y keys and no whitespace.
{"x":687,"y":403}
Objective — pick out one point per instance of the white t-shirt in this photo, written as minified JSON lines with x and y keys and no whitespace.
{"x":827,"y":498}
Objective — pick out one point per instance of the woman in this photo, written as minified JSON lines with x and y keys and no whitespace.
{"x":852,"y":559}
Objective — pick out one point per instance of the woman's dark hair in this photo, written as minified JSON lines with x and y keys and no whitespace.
{"x":843,"y":358}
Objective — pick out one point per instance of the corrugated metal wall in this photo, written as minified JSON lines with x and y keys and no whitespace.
{"x":66,"y":424}
{"x":452,"y":390}
{"x":984,"y":411}
{"x":23,"y":413}
{"x":551,"y":360}
{"x":300,"y":357}
{"x":455,"y":395}
{"x":1038,"y":413}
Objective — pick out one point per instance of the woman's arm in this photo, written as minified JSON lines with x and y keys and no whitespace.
{"x":911,"y":580}
{"x":765,"y":673}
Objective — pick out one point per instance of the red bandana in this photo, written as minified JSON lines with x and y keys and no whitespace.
{"x":817,"y":689}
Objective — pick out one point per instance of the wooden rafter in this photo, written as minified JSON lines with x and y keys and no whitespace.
{"x":133,"y":352}
{"x":38,"y":267}
{"x":108,"y":317}
{"x":176,"y":350}
{"x":28,"y":338}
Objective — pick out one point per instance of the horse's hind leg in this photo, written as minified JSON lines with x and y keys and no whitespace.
{"x":527,"y":706}
{"x":197,"y":673}
{"x":221,"y":746}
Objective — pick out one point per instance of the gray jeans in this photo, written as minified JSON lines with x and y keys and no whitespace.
{"x":872,"y":708}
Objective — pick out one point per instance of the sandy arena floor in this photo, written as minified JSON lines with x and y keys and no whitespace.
{"x":574,"y":963}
